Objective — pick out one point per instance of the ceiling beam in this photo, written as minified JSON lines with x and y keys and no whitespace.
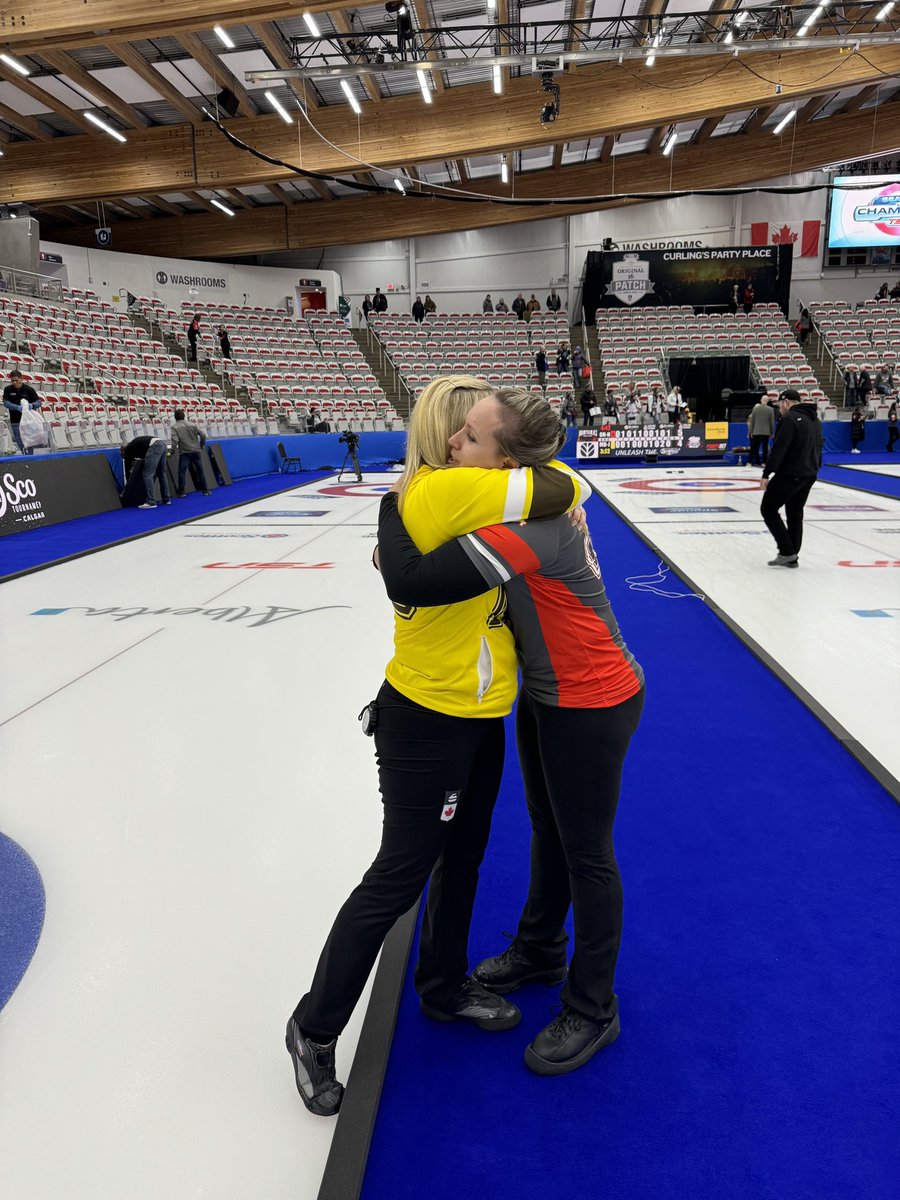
{"x":656,"y":138}
{"x":719,"y":12}
{"x":758,"y":119}
{"x":596,"y":102}
{"x":216,"y":69}
{"x":28,"y":125}
{"x":281,"y":195}
{"x":31,"y":87}
{"x":273,"y":42}
{"x":131,"y":58}
{"x":239,"y":198}
{"x":59,"y":211}
{"x":747,"y":161}
{"x":102,"y":94}
{"x":705,"y":132}
{"x":370,"y":84}
{"x":133,"y":210}
{"x":579,"y":14}
{"x":856,"y":102}
{"x":557,"y":155}
{"x":164,"y":205}
{"x":423,"y":22}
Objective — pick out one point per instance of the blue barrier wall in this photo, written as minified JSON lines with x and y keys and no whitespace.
{"x":316,"y":451}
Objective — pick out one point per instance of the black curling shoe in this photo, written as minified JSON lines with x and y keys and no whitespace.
{"x":475,"y":1004}
{"x":569,"y":1042}
{"x":314,"y":1071}
{"x":509,"y":971}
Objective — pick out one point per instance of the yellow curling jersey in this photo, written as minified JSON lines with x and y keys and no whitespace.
{"x":460,"y":659}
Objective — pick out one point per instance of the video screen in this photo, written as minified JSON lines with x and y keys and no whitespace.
{"x":866,"y":215}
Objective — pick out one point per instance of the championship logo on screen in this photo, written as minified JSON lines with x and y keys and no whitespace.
{"x":883,"y":211}
{"x":631,"y":279}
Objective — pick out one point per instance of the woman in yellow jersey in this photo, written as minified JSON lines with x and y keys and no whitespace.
{"x":439,"y":743}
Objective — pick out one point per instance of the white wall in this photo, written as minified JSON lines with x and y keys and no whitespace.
{"x":109,"y":274}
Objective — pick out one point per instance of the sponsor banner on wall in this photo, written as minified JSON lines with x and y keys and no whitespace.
{"x":684,"y":441}
{"x":701,"y":276}
{"x":35,"y":492}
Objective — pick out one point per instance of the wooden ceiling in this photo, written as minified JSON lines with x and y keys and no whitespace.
{"x":151,"y":71}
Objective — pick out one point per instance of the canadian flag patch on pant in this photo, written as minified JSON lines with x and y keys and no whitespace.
{"x":448,"y":812}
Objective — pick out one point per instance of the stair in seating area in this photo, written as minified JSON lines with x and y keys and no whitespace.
{"x":592,"y":351}
{"x":822,"y":370}
{"x":398,"y":396}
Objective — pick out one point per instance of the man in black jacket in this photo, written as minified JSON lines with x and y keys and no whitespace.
{"x":794,"y":461}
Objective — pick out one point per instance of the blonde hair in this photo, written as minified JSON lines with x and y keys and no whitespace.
{"x":439,"y":412}
{"x":532,"y":433}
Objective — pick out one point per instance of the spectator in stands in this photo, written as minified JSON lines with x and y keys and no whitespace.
{"x":632,"y":411}
{"x":894,"y":293}
{"x":794,"y":461}
{"x":857,"y":429}
{"x":501,"y":306}
{"x":152,"y":450}
{"x":487,"y":304}
{"x":366,"y":306}
{"x":851,"y":386}
{"x":188,"y":440}
{"x":519,"y":306}
{"x":882,"y":293}
{"x":749,"y":297}
{"x":554,"y":304}
{"x":569,"y":411}
{"x":379,"y":301}
{"x":893,"y":431}
{"x":13,"y":394}
{"x":224,"y":342}
{"x":655,"y":406}
{"x":864,"y":386}
{"x":630,"y":393}
{"x":562,"y":359}
{"x":540,"y":365}
{"x":418,"y":310}
{"x":577,"y":365}
{"x":804,"y":325}
{"x":315,"y":422}
{"x":674,"y":405}
{"x":610,"y":408}
{"x":430,"y":306}
{"x":193,"y":332}
{"x":588,"y":401}
{"x":533,"y":306}
{"x":760,"y":426}
{"x":884,"y":381}
{"x":734,"y":299}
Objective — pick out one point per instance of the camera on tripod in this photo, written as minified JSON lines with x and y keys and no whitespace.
{"x":350,"y":440}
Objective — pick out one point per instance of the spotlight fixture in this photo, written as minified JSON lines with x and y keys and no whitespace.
{"x":101,"y":124}
{"x":223,"y":37}
{"x":785,"y":121}
{"x":399,"y":10}
{"x":550,"y":110}
{"x":351,"y":99}
{"x":279,"y":108}
{"x":229,"y":212}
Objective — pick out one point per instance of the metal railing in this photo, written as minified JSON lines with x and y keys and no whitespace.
{"x":16,"y":282}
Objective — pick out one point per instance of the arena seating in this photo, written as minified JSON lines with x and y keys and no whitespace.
{"x":636,"y":344}
{"x":866,"y":339}
{"x":492,"y":346}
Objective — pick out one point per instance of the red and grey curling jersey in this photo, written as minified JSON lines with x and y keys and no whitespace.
{"x":571,"y":652}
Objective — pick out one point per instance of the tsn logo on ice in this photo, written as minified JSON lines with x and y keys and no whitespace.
{"x":20,"y":495}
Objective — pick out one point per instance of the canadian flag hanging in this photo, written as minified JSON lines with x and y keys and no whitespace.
{"x":762,"y":234}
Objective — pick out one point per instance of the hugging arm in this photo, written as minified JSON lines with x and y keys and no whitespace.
{"x":445,"y":576}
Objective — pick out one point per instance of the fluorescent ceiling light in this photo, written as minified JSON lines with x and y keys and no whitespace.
{"x":399,"y":186}
{"x":504,"y":172}
{"x":279,"y":108}
{"x":785,"y":121}
{"x":311,"y":24}
{"x":101,"y":124}
{"x":650,"y":59}
{"x":12,"y":214}
{"x":424,"y":85}
{"x":883,"y":11}
{"x":498,"y":80}
{"x":15,"y":64}
{"x":351,"y":99}
{"x":670,"y":142}
{"x":491,"y":5}
{"x":740,"y":18}
{"x":223,"y":37}
{"x":729,"y":37}
{"x":229,"y":212}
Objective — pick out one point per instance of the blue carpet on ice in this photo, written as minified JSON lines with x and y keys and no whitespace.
{"x":759,"y":976}
{"x":21,"y":914}
{"x":865,"y":481}
{"x":41,"y":547}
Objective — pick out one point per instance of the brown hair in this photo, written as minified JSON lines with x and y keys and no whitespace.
{"x":532,"y":433}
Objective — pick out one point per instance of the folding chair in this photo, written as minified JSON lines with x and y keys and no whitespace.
{"x":288,"y":463}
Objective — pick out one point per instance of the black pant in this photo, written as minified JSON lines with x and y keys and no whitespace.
{"x":571,"y":760}
{"x":893,"y":436}
{"x":192,"y":349}
{"x":425,"y":759}
{"x":791,"y":493}
{"x":759,"y":443}
{"x":191,"y":458}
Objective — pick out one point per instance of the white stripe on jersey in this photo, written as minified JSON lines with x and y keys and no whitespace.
{"x":498,"y":566}
{"x":516,"y":495}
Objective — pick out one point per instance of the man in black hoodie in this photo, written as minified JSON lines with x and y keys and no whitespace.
{"x":794,"y":461}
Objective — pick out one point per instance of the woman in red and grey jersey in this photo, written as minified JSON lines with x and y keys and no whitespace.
{"x":581,"y":688}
